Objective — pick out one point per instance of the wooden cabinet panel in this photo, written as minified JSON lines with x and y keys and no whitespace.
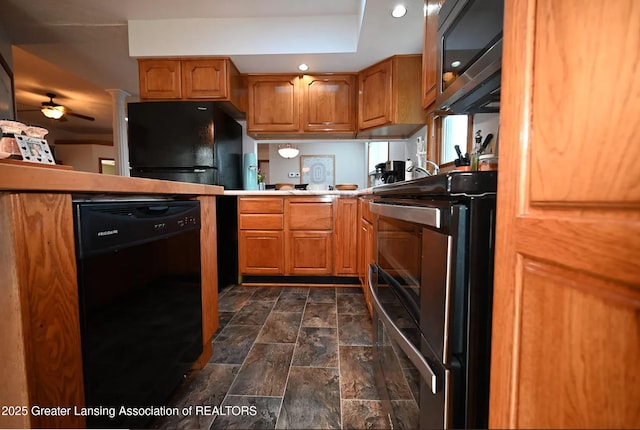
{"x":389,"y":98}
{"x":329,"y":103}
{"x":205,"y":79}
{"x":366,"y":257}
{"x":346,"y":235}
{"x":560,"y":310}
{"x":261,"y":222}
{"x":260,"y":205}
{"x":160,"y":79}
{"x":40,"y":332}
{"x":309,"y":214}
{"x":375,"y":106}
{"x":274,"y":103}
{"x":261,"y":252}
{"x":209,"y":273}
{"x":310,"y":253}
{"x":430,"y":53}
{"x":566,"y":332}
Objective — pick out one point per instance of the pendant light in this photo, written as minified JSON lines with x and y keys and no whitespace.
{"x":288,"y":151}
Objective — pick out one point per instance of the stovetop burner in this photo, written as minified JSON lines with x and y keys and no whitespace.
{"x":469,"y":184}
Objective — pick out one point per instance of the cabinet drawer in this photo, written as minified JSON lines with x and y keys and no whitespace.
{"x":310,"y":216}
{"x":260,"y":205}
{"x":261,"y":221}
{"x":365,"y":211}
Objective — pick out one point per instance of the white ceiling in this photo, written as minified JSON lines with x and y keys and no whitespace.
{"x":79,"y":48}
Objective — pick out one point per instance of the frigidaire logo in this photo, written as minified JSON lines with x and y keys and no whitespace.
{"x":107,"y":232}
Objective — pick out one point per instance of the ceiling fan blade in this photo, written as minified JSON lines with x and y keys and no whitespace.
{"x":77,"y":115}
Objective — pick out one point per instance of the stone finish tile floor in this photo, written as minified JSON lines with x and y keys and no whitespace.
{"x":286,"y":358}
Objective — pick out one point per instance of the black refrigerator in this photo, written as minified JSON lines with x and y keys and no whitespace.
{"x":185,"y":141}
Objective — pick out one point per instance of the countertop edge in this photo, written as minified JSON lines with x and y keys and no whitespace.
{"x":28,"y":178}
{"x":266,"y":193}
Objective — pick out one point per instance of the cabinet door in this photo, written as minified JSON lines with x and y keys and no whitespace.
{"x":309,"y":253}
{"x":159,"y":79}
{"x":274,"y":103}
{"x":346,"y":232}
{"x":261,"y":252}
{"x":329,"y":103}
{"x":566,"y":313}
{"x":430,"y":52}
{"x":367,"y":257}
{"x":205,"y":79}
{"x":375,"y":95}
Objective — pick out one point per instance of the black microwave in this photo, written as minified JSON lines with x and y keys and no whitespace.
{"x":469,"y":56}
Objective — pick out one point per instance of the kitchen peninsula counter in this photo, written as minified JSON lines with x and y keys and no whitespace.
{"x":40,"y":334}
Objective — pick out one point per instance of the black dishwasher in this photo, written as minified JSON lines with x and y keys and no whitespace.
{"x":140,"y":303}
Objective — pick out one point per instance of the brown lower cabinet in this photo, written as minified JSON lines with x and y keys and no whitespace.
{"x":299,"y":236}
{"x":366,"y":248}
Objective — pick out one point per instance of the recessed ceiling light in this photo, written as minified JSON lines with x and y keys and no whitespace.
{"x":303,"y":67}
{"x":399,"y":11}
{"x":456,"y":64}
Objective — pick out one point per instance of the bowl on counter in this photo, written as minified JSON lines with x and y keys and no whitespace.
{"x":284,"y":186}
{"x":346,"y":187}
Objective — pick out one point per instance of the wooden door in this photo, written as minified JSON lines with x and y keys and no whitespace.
{"x":346,"y":233}
{"x":160,"y":79}
{"x":375,"y":95}
{"x":273,"y":103}
{"x":329,"y":103}
{"x":430,"y":52}
{"x":566,"y":325}
{"x":205,"y":79}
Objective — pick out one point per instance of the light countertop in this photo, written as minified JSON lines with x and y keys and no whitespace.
{"x":266,"y":193}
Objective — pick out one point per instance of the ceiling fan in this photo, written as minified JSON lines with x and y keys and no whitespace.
{"x":53,"y":110}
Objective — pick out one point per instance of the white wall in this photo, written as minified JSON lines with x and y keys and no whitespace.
{"x":83,"y":157}
{"x":350,"y":161}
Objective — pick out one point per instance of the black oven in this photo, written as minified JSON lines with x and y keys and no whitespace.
{"x":432,"y":290}
{"x":469,"y":56}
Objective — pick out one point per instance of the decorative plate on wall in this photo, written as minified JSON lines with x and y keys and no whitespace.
{"x":318,"y":169}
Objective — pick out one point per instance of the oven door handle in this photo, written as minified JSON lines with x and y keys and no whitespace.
{"x":423,"y":215}
{"x":394,"y":332}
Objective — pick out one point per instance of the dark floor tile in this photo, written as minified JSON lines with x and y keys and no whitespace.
{"x":355,"y":329}
{"x":264,"y":372}
{"x":252,"y":313}
{"x":294,"y":291}
{"x":280,"y":327}
{"x":357,"y":373}
{"x":322,"y":295}
{"x":267,"y":294}
{"x":224,"y":318}
{"x":363,"y":414}
{"x":319,"y":315}
{"x":413,"y":379}
{"x":348,"y":290}
{"x":294,"y":303}
{"x":352,"y":304}
{"x":233,"y":343}
{"x":207,"y":386}
{"x":234,"y":300}
{"x":312,"y":399}
{"x":266,"y":411}
{"x":316,"y":347}
{"x":407,"y":414}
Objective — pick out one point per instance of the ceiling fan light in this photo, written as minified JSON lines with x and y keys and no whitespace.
{"x":53,"y":112}
{"x":288,"y":151}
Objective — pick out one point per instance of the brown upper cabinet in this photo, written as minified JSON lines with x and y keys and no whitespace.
{"x":329,"y":103}
{"x":430,"y":53}
{"x":292,"y":104}
{"x":215,"y":79}
{"x":390,"y":98}
{"x":274,"y":103}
